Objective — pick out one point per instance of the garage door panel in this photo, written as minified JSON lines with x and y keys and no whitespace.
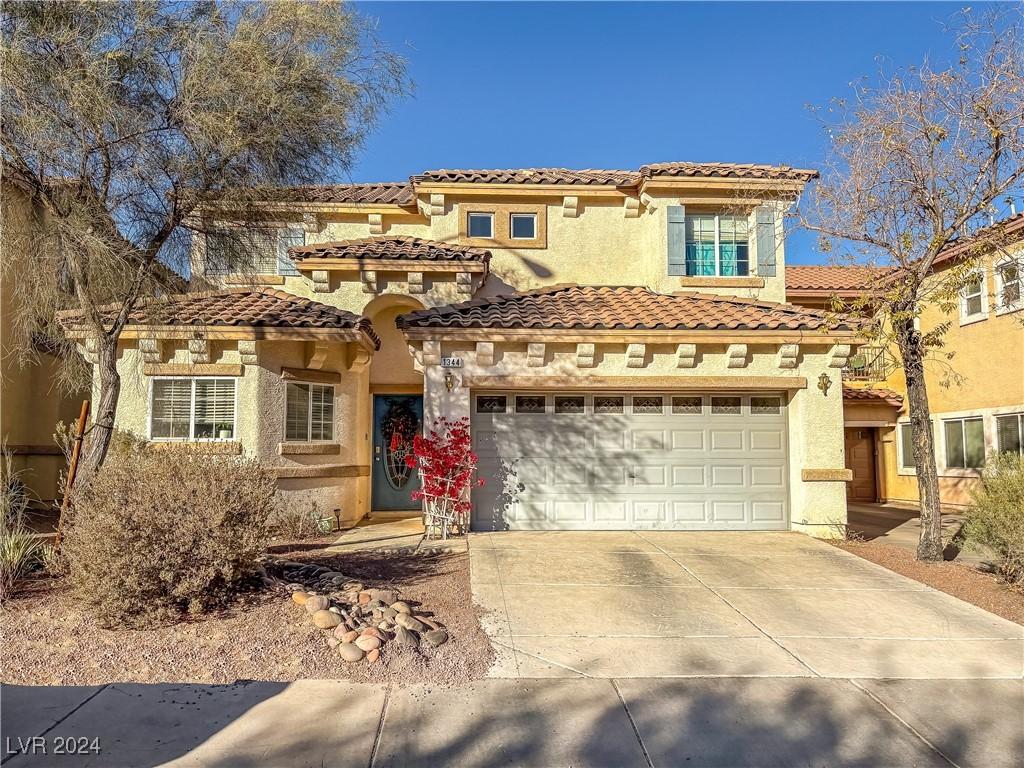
{"x":681,"y":470}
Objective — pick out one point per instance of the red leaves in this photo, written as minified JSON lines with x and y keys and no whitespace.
{"x":447,"y":465}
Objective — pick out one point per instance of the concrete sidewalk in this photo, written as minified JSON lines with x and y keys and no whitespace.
{"x":544,"y":723}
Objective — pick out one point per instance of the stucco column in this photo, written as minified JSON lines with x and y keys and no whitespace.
{"x":438,"y":400}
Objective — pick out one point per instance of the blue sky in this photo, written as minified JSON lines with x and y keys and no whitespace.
{"x":617,"y":85}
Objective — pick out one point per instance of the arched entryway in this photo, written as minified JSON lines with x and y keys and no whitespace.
{"x":396,"y":389}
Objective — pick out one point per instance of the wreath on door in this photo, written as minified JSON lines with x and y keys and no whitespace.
{"x":398,"y":427}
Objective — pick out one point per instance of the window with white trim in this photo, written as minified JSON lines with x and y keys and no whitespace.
{"x":192,"y":409}
{"x":965,"y":442}
{"x":907,"y":447}
{"x":1009,"y":433}
{"x":480,"y":225}
{"x":309,"y":412}
{"x":253,"y":251}
{"x":717,"y":245}
{"x":1008,"y":285}
{"x":522,"y":226}
{"x":972,"y":299}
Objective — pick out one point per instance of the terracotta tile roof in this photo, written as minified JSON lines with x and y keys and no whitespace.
{"x":237,"y":307}
{"x":624,"y":308}
{"x":995,"y":235}
{"x":529,"y":176}
{"x":819,"y":277}
{"x":886,"y":396}
{"x":380,"y":193}
{"x":729,"y":170}
{"x":397,"y":248}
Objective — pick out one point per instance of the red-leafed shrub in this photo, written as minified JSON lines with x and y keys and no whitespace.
{"x":446,"y":463}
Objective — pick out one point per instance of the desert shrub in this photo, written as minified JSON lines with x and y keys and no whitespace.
{"x":298,"y":520}
{"x":155,"y":534}
{"x":995,"y":518}
{"x":19,"y":547}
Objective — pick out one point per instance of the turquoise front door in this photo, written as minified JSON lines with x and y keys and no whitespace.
{"x":396,"y":419}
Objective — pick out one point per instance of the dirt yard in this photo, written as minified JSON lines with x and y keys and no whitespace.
{"x":958,"y":579}
{"x":49,"y":640}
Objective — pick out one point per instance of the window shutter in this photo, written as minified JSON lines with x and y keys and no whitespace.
{"x":288,"y":237}
{"x":676,"y":239}
{"x":764,"y":216}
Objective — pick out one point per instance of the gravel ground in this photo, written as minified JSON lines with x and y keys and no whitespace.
{"x":49,"y":640}
{"x":958,"y":579}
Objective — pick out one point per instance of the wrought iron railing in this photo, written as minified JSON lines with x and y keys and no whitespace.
{"x":868,"y":364}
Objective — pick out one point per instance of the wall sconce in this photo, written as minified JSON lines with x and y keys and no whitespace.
{"x":824,"y":382}
{"x":450,"y":381}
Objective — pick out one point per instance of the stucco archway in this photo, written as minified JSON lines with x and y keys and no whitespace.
{"x":392,"y":366}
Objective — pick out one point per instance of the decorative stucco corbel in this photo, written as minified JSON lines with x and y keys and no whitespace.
{"x":415,"y":280}
{"x":152,"y":350}
{"x":686,"y":356}
{"x":840,"y":356}
{"x":199,"y":351}
{"x":247,"y":351}
{"x":631,"y":207}
{"x":368,"y":277}
{"x":376,"y":224}
{"x":485,"y":353}
{"x":737,"y":356}
{"x":636,"y":355}
{"x":431,"y":354}
{"x":570,"y":206}
{"x":650,"y":203}
{"x":788,"y":354}
{"x":535,"y":353}
{"x":91,"y":350}
{"x":317,"y":355}
{"x":464,"y":281}
{"x":312,"y":223}
{"x":417,"y":358}
{"x":321,"y":281}
{"x":436,"y":205}
{"x":359,"y":358}
{"x":585,"y":355}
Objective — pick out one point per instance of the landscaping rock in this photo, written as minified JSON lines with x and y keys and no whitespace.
{"x":367,"y":643}
{"x":373,"y":632}
{"x":436,"y":637}
{"x":373,"y":655}
{"x":364,"y":598}
{"x":409,"y":622}
{"x":316,"y":603}
{"x":333,"y":642}
{"x":326,"y":619}
{"x":404,"y":637}
{"x":299,"y":597}
{"x":350,"y":653}
{"x":401,"y":607}
{"x":384,"y":596}
{"x":429,"y":622}
{"x":350,"y":636}
{"x":389,"y":613}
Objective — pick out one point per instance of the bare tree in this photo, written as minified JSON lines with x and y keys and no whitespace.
{"x":915,"y":163}
{"x":121,"y":117}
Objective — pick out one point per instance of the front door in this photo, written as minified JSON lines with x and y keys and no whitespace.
{"x":860,"y":458}
{"x":396,"y":419}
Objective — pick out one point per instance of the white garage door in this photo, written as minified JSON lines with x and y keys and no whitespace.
{"x":599,"y":461}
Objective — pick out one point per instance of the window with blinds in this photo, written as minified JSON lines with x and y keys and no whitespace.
{"x":309,"y":412}
{"x":253,"y":251}
{"x":717,"y":245}
{"x":192,"y":409}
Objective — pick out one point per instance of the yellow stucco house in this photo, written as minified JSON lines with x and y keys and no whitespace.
{"x":975,"y":381}
{"x":618,"y":340}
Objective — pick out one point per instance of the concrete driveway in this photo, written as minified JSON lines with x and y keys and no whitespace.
{"x":679,"y":604}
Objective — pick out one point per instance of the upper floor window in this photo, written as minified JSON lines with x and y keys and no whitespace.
{"x":523,"y":226}
{"x":965,"y":442}
{"x":480,"y":225}
{"x":309,"y":412}
{"x":717,"y":245}
{"x":192,"y":409}
{"x":252,"y":251}
{"x":1008,"y":285}
{"x":1010,"y":433}
{"x":972,"y":299}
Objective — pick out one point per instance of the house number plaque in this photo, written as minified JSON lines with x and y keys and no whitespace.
{"x":451,"y":362}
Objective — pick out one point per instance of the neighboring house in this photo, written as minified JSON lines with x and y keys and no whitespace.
{"x":975,"y":381}
{"x":616,"y":339}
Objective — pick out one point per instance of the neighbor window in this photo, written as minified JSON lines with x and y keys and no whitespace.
{"x":965,"y":443}
{"x":717,"y":245}
{"x":523,"y":226}
{"x":1009,"y":431}
{"x":309,"y":412}
{"x":972,"y":299}
{"x":1008,"y":285}
{"x":252,"y":251}
{"x":481,"y":225}
{"x":906,"y":446}
{"x":192,"y":409}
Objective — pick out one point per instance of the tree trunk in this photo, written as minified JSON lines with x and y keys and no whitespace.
{"x":106,"y":407}
{"x":929,"y":546}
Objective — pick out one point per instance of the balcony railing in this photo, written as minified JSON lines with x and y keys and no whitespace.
{"x":868,"y":364}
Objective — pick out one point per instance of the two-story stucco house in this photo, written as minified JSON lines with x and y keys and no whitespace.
{"x":618,"y":341}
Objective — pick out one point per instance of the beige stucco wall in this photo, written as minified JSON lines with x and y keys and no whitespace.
{"x":815,"y":419}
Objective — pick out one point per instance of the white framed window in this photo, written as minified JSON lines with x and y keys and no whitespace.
{"x":192,"y":408}
{"x":1009,"y":433}
{"x":480,"y":225}
{"x":973,"y":303}
{"x":717,"y":245}
{"x":906,"y":447}
{"x":309,"y":412}
{"x":522,"y":226}
{"x":964,"y":441}
{"x":1009,"y":282}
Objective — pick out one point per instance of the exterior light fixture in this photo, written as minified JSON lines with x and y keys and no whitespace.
{"x":824,"y":382}
{"x":449,"y":380}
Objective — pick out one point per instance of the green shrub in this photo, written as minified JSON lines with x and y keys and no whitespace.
{"x":995,"y":519}
{"x":19,"y":546}
{"x":155,"y":534}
